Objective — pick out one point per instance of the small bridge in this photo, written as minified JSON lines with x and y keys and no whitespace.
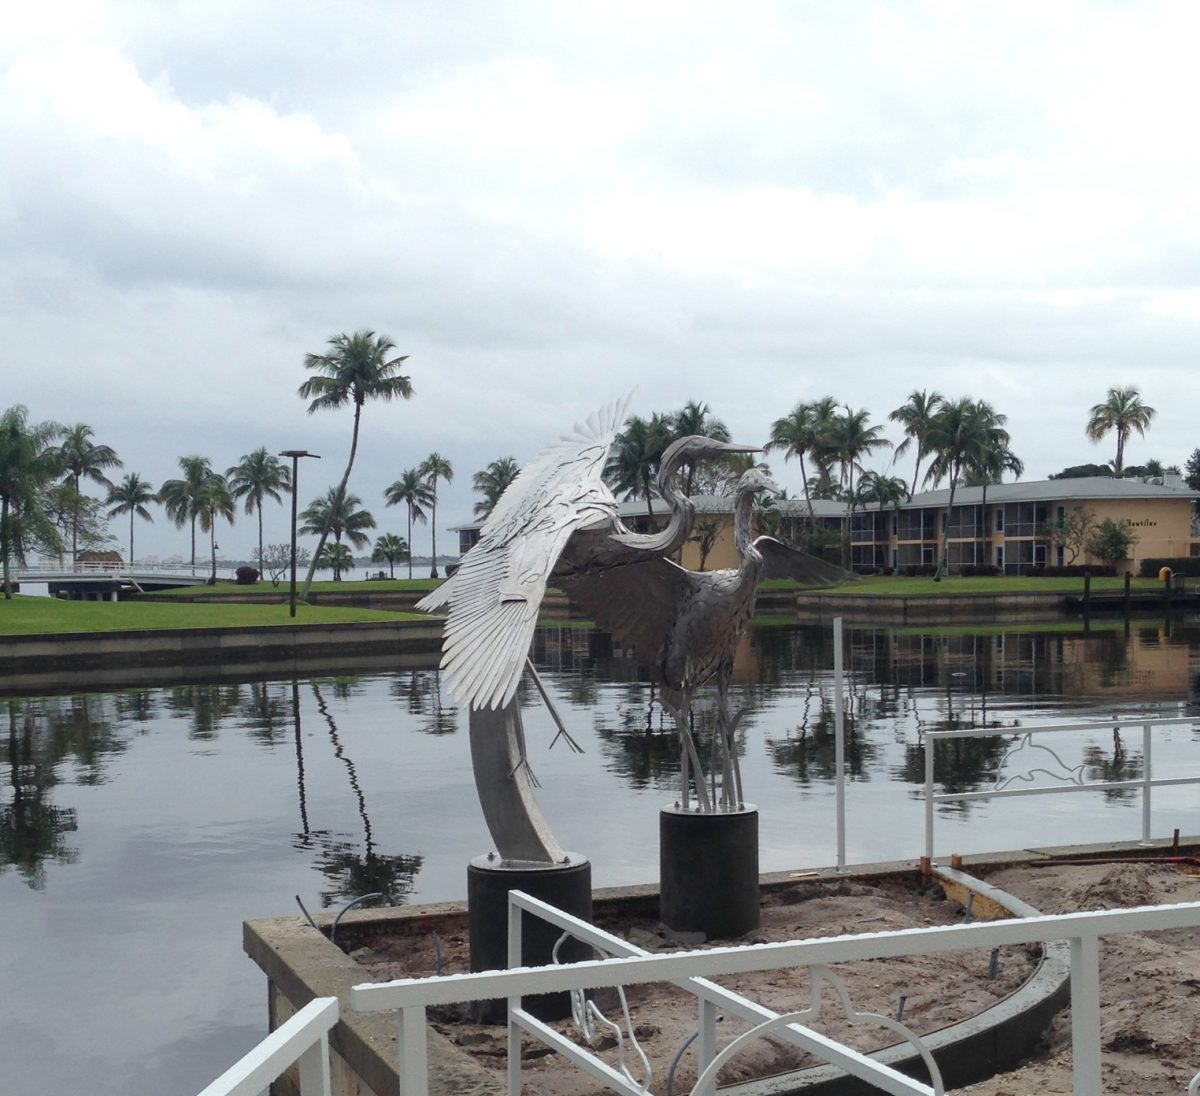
{"x":104,"y":581}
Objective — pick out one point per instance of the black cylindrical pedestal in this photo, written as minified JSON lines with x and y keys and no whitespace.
{"x":708,"y":871}
{"x":567,"y":886}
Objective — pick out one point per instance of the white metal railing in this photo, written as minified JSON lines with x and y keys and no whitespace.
{"x":302,"y":1040}
{"x":53,"y":568}
{"x":411,"y":997}
{"x":1046,"y":762}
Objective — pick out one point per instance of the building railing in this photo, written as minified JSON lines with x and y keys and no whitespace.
{"x":1046,"y":762}
{"x":302,"y":1040}
{"x":692,"y":969}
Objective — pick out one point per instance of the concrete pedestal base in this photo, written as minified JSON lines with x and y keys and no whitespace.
{"x":567,"y":886}
{"x":708,"y":871}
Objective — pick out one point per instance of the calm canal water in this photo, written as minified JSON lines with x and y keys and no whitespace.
{"x":139,"y":828}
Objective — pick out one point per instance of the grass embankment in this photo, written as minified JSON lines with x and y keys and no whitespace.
{"x":43,"y":615}
{"x":894,"y":586}
{"x":268,"y":592}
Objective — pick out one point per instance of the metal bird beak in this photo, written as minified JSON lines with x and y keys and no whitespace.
{"x":735,"y":447}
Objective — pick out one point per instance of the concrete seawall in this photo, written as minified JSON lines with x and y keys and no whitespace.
{"x":61,"y":662}
{"x":953,"y":609}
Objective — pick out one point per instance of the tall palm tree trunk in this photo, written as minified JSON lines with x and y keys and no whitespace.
{"x":410,"y":554}
{"x":943,"y":538}
{"x":433,"y":534}
{"x":4,"y":547}
{"x":260,"y":536}
{"x":131,"y":513}
{"x":337,"y":502}
{"x":812,"y":518}
{"x":74,"y":520}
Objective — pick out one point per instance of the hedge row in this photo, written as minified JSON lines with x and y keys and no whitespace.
{"x":1180,"y":565}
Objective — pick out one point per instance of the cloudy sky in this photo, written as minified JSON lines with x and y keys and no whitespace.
{"x":547,"y":205}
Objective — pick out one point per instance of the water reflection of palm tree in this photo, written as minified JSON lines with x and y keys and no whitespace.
{"x":206,"y":705}
{"x":32,"y":829}
{"x":1121,"y":766}
{"x":422,"y":695}
{"x":355,"y":873}
{"x":264,"y":714}
{"x":808,"y":754}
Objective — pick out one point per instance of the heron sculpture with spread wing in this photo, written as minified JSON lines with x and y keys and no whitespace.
{"x":557,"y":523}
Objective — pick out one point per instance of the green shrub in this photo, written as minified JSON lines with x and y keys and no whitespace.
{"x":1180,"y":565}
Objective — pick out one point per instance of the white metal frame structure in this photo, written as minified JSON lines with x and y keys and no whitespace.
{"x":302,"y":1040}
{"x":691,"y":969}
{"x":1070,"y":777}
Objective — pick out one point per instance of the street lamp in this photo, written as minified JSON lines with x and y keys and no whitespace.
{"x":295,"y":454}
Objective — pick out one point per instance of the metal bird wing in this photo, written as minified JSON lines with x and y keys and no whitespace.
{"x":639,"y":604}
{"x":780,"y":561}
{"x":496,"y":593}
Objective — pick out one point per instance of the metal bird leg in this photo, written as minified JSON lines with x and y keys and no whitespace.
{"x":727,"y":724}
{"x":562,"y":727}
{"x":688,"y":758}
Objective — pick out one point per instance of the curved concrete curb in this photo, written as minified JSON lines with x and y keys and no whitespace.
{"x":990,"y":1042}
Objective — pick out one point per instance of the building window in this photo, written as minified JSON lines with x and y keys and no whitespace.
{"x":999,"y":519}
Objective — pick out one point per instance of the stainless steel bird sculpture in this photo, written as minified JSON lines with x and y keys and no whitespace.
{"x":558,"y":523}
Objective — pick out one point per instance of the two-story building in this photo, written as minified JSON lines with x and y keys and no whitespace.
{"x":1005,"y":525}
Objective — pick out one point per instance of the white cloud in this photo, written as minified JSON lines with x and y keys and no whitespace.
{"x":546,"y":206}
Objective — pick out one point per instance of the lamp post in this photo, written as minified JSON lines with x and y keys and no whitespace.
{"x":295,"y":454}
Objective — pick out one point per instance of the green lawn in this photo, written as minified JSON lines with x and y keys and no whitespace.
{"x":893,"y":586}
{"x":38,"y":615}
{"x":266,"y":590}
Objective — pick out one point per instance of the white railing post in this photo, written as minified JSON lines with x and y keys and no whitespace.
{"x":929,"y":796}
{"x":302,"y":1038}
{"x":414,"y":1057}
{"x":706,"y":1044}
{"x":314,"y":1069}
{"x":1085,"y":1015}
{"x":1147,"y":782}
{"x":839,"y":743}
{"x":513,"y":1071}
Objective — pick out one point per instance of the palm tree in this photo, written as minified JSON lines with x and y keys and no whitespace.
{"x":434,"y":468}
{"x":695,"y":418}
{"x":179,"y":497}
{"x":959,"y":438}
{"x":29,"y":461}
{"x":336,"y":558}
{"x":636,"y":451}
{"x":257,"y":476}
{"x":1123,"y":411}
{"x":356,"y":368}
{"x":848,"y":439}
{"x":390,"y":549}
{"x":341,"y":517}
{"x":412,"y":490}
{"x":83,"y":459}
{"x":916,"y":416}
{"x":131,"y":496}
{"x":492,"y":482}
{"x":990,"y":465}
{"x":214,"y":500}
{"x":798,"y":434}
